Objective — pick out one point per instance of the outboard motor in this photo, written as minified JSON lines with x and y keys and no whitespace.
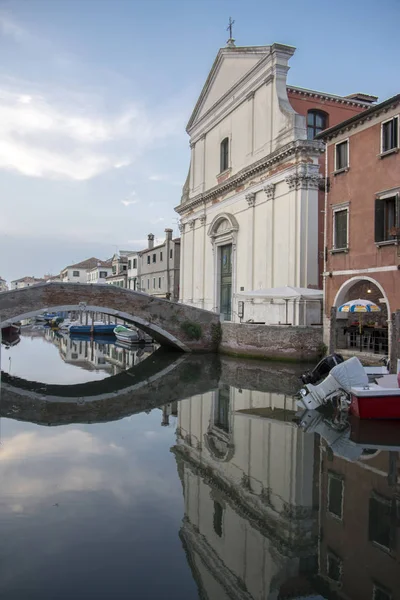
{"x":322,"y":369}
{"x":339,"y":381}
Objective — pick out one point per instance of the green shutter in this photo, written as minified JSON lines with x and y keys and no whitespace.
{"x":379,"y":220}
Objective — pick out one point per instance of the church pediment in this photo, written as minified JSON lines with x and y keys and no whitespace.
{"x":230,"y":66}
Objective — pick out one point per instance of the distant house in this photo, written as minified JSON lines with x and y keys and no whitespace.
{"x":100,"y":272}
{"x":78,"y":273}
{"x":3,"y":285}
{"x":119,"y":274}
{"x":23,"y":282}
{"x":133,"y":270}
{"x":159,"y":267}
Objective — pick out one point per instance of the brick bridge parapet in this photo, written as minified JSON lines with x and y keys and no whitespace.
{"x":171,"y":324}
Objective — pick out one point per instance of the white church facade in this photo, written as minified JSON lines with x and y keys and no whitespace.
{"x":249,"y":208}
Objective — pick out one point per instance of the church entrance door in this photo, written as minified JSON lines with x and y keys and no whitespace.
{"x":226,"y":282}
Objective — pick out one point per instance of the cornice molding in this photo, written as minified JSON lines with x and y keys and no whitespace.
{"x":330,"y":97}
{"x":358,"y":120}
{"x":280,"y":154}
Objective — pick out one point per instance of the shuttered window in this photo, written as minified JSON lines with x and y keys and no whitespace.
{"x":387,"y":219}
{"x":340,"y":233}
{"x":390,"y":134}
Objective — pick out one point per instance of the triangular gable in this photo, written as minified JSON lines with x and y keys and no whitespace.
{"x":230,"y":66}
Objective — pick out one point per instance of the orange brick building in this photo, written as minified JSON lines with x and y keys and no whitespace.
{"x":323,"y":111}
{"x":362,"y":214}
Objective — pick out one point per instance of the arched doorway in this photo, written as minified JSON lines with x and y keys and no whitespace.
{"x":223,"y":233}
{"x":363,"y":332}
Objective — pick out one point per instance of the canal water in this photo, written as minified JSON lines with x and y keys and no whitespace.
{"x":147,"y":475}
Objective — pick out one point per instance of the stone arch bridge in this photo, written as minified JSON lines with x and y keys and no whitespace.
{"x":179,"y":326}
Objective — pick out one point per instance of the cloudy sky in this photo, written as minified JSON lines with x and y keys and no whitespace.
{"x":95,"y":95}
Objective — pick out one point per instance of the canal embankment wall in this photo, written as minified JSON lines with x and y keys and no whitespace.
{"x":273,"y":342}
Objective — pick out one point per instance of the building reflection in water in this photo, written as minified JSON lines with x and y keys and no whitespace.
{"x":250,"y":503}
{"x":272,"y":514}
{"x":100,"y":354}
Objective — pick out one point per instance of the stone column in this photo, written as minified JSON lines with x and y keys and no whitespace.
{"x":269,"y":190}
{"x":251,"y":200}
{"x":192,"y":223}
{"x":182,"y":265}
{"x":250,"y":123}
{"x":203,"y":219}
{"x":192,"y":158}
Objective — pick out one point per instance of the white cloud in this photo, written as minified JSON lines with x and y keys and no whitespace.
{"x":129,"y":202}
{"x":40,"y":137}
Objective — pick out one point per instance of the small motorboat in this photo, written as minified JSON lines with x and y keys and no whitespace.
{"x":366,"y":392}
{"x":95,"y":328}
{"x":126,"y":335}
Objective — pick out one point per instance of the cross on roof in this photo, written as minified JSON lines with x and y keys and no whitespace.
{"x":229,"y":28}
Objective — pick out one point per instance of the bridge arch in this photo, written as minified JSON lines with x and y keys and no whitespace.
{"x":164,"y":320}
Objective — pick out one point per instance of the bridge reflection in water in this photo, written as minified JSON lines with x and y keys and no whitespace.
{"x":269,"y":512}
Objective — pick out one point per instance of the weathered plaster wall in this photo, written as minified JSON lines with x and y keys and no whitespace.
{"x":273,"y":342}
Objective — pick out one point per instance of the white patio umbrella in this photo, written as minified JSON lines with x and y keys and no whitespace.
{"x":359,"y":306}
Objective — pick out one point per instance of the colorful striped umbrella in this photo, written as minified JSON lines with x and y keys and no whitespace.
{"x":359,"y":306}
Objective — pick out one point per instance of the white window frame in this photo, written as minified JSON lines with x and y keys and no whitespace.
{"x":346,"y":141}
{"x":384,"y":152}
{"x":339,"y":208}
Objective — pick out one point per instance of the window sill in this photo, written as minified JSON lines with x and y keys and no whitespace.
{"x":224,"y":175}
{"x":339,"y":171}
{"x":339,"y":250}
{"x":386,"y":243}
{"x":388,"y":152}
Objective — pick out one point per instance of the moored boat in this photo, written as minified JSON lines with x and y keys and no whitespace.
{"x":366,"y":392}
{"x":98,"y":327}
{"x":126,"y":335}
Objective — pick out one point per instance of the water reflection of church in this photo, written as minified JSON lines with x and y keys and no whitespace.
{"x":250,"y":521}
{"x":271,"y":514}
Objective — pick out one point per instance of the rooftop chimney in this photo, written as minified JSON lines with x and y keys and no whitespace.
{"x":150,"y":238}
{"x":168,"y":234}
